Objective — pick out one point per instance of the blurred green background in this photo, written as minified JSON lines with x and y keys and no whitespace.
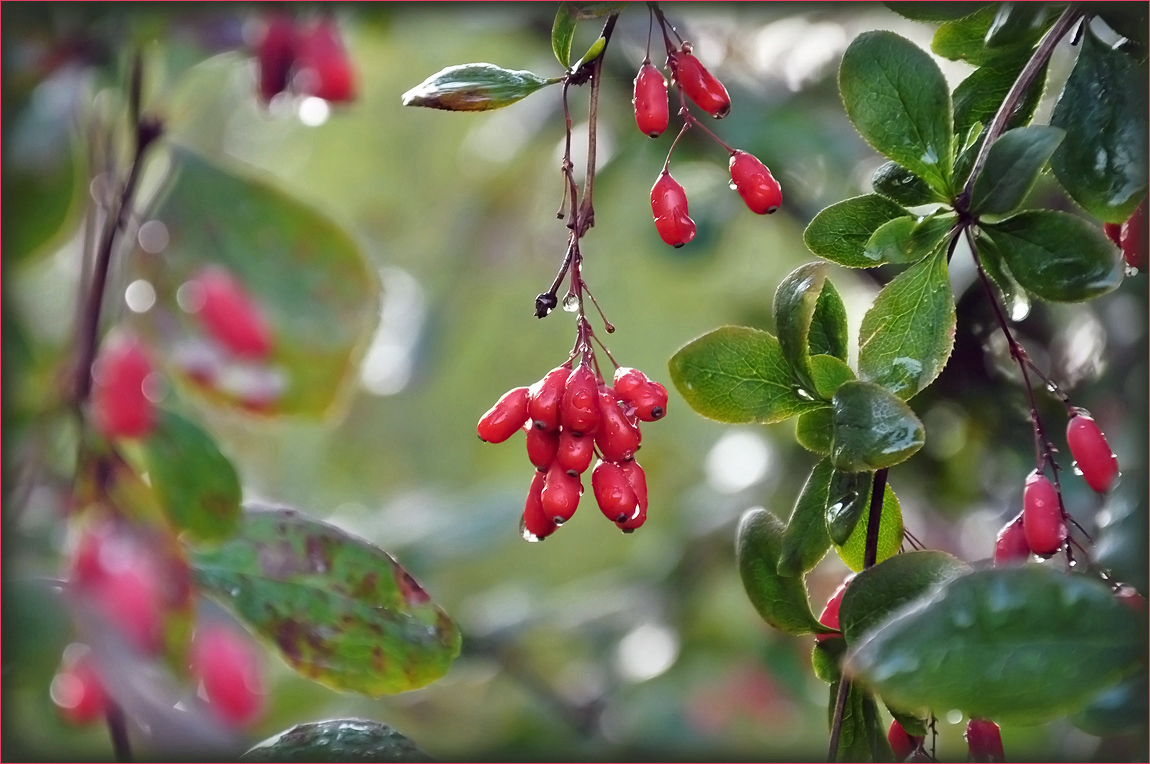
{"x":592,"y":645}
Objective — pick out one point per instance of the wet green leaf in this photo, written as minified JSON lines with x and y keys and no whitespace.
{"x":794,"y":308}
{"x":979,"y":96}
{"x":475,"y":87}
{"x":737,"y":375}
{"x":899,"y":184}
{"x":827,"y":374}
{"x":898,"y":100}
{"x":1022,"y":644}
{"x":907,"y":335}
{"x":852,"y":553}
{"x":848,"y":499}
{"x":1011,"y":291}
{"x":840,"y":232}
{"x":1016,"y":23}
{"x":562,"y":33}
{"x":337,"y":609}
{"x":965,"y":39}
{"x":813,"y":430}
{"x":1012,"y":168}
{"x":780,"y":600}
{"x":828,"y":335}
{"x":805,"y":539}
{"x":934,"y":11}
{"x":337,"y":740}
{"x":911,"y":238}
{"x":915,"y":725}
{"x":873,"y":428}
{"x":876,"y":593}
{"x":1120,"y":710}
{"x":825,"y":659}
{"x":1058,"y":256}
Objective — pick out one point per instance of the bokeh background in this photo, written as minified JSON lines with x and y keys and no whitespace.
{"x":592,"y":645}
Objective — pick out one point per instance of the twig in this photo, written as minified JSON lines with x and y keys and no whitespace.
{"x":837,"y":725}
{"x":118,"y":730}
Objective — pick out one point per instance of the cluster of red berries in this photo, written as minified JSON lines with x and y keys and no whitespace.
{"x":310,"y":59}
{"x":570,"y":415}
{"x":1131,"y":237}
{"x":1040,"y":528}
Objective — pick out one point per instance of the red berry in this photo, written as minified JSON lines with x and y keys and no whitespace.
{"x":542,"y":447}
{"x":638,"y":481}
{"x":76,"y":689}
{"x":229,"y":670}
{"x":1114,"y":232}
{"x":275,"y":55}
{"x":128,"y":595}
{"x":1042,"y":518}
{"x":755,"y":184}
{"x":618,"y":439}
{"x":633,"y":522}
{"x":120,"y":409}
{"x":628,"y":382}
{"x":701,"y":86}
{"x":324,"y":66}
{"x":536,"y":524}
{"x":1133,"y":238}
{"x":1088,"y":446}
{"x":579,"y":411}
{"x":984,"y":740}
{"x":546,"y":397}
{"x":650,"y":403}
{"x":669,"y":207}
{"x":830,"y":615}
{"x":901,"y":744}
{"x":1130,"y":597}
{"x":230,"y":315}
{"x":560,"y":495}
{"x":613,"y":492}
{"x":575,"y":452}
{"x":1011,"y":545}
{"x":651,"y":112}
{"x":503,"y":419}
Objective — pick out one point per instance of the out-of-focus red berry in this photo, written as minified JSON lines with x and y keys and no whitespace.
{"x":229,"y":670}
{"x":230,"y":315}
{"x":984,"y":740}
{"x":830,"y":615}
{"x":1088,"y":446}
{"x":275,"y":55}
{"x":1011,"y":545}
{"x":324,"y":67}
{"x":120,"y":407}
{"x":902,"y":745}
{"x":76,"y":689}
{"x":1042,"y":519}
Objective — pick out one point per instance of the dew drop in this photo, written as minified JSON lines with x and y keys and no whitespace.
{"x":1131,"y":271}
{"x":1052,"y":387}
{"x":570,"y":303}
{"x":1019,"y":307}
{"x":806,"y":396}
{"x":1077,"y":470}
{"x":732,"y":186}
{"x":953,"y":716}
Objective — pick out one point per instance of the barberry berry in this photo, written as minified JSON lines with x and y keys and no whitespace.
{"x":651,"y":111}
{"x":275,"y":56}
{"x":579,"y":411}
{"x":984,"y":740}
{"x":547,"y":397}
{"x":229,"y":671}
{"x":830,"y":615}
{"x":628,"y":382}
{"x":536,"y":525}
{"x":700,"y":85}
{"x":1042,"y":519}
{"x":1133,"y":238}
{"x":650,"y":403}
{"x":120,"y":407}
{"x":633,"y":522}
{"x":1088,"y":446}
{"x":230,"y":315}
{"x":669,"y":208}
{"x":613,"y":492}
{"x":1011,"y":545}
{"x":754,"y":182}
{"x":560,"y":494}
{"x":638,"y":481}
{"x":324,"y":66}
{"x":618,"y":439}
{"x":542,"y":447}
{"x":77,"y":689}
{"x":1113,"y":232}
{"x":575,"y":452}
{"x":503,"y":419}
{"x":902,"y":744}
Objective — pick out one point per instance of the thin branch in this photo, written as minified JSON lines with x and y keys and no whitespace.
{"x":587,"y":210}
{"x":118,"y":731}
{"x":837,"y":725}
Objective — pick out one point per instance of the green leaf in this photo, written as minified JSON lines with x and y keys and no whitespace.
{"x":196,"y":483}
{"x":862,"y":736}
{"x":826,"y":657}
{"x":840,"y":232}
{"x":1127,"y":19}
{"x":1012,"y":168}
{"x":794,"y":308}
{"x":907,"y":335}
{"x":848,"y":499}
{"x":978,"y":97}
{"x":890,"y":529}
{"x":737,"y":375}
{"x":1103,"y":162}
{"x":337,"y":609}
{"x":827,"y":374}
{"x":1016,"y":23}
{"x":780,"y":600}
{"x":1120,"y":710}
{"x":1014,"y":297}
{"x":310,"y":279}
{"x":813,"y":430}
{"x":965,"y":39}
{"x":337,"y":740}
{"x":475,"y":87}
{"x":805,"y":539}
{"x":915,"y":725}
{"x":592,"y":52}
{"x":562,"y":33}
{"x":911,"y":238}
{"x":828,"y":335}
{"x":873,"y":428}
{"x":1023,"y":644}
{"x":899,"y":184}
{"x":876,"y":593}
{"x":898,"y":100}
{"x":45,"y":191}
{"x":1058,"y":256}
{"x":933,"y":11}
{"x":583,"y":11}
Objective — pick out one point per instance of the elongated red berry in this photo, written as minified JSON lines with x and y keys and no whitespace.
{"x":984,"y":740}
{"x":650,"y":403}
{"x":700,"y":85}
{"x":229,"y":670}
{"x":77,"y":689}
{"x":542,"y":447}
{"x":275,"y":56}
{"x":651,"y":111}
{"x":902,"y":745}
{"x":1113,"y":232}
{"x":1088,"y":446}
{"x":830,"y":615}
{"x":669,"y":208}
{"x":575,"y":452}
{"x":755,"y":184}
{"x":579,"y":411}
{"x":1042,"y":519}
{"x":546,"y":398}
{"x":617,"y":438}
{"x":230,"y":315}
{"x":536,"y":524}
{"x":628,"y":382}
{"x":120,"y":407}
{"x":1132,"y":238}
{"x":507,"y":415}
{"x":613,"y":492}
{"x":1011,"y":545}
{"x":635,"y":521}
{"x":325,"y":69}
{"x":637,"y":480}
{"x":560,"y":495}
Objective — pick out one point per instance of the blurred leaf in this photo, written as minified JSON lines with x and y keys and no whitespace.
{"x":1120,"y":710}
{"x":899,"y":184}
{"x":873,"y":428}
{"x":1127,"y":19}
{"x":1022,"y":644}
{"x":826,"y":657}
{"x":1121,"y":543}
{"x":813,"y":430}
{"x":583,"y":11}
{"x":794,"y":309}
{"x":828,"y":373}
{"x":562,"y":33}
{"x":878,"y":592}
{"x":1016,"y":23}
{"x":1058,"y":256}
{"x":196,"y":483}
{"x":915,"y":725}
{"x":889,"y":534}
{"x":909,"y":239}
{"x":1012,"y":168}
{"x":898,"y":100}
{"x":1103,"y":162}
{"x":805,"y":539}
{"x":44,"y":199}
{"x":339,"y":610}
{"x":828,"y":335}
{"x":476,"y":87}
{"x":737,"y":375}
{"x":979,"y":96}
{"x":848,"y":499}
{"x":933,"y":11}
{"x":337,"y":740}
{"x":907,"y":335}
{"x":780,"y":600}
{"x":862,"y":736}
{"x":840,"y":232}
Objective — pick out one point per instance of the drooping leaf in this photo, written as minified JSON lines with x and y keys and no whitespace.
{"x":337,"y":609}
{"x":848,"y":499}
{"x":873,"y":428}
{"x":780,"y":600}
{"x":805,"y":539}
{"x":737,"y":375}
{"x":562,"y":33}
{"x":911,"y":238}
{"x":828,"y":335}
{"x":1012,"y":168}
{"x":1058,"y":256}
{"x":475,"y":87}
{"x":979,"y":96}
{"x":862,"y":736}
{"x":934,"y":11}
{"x":1022,"y":644}
{"x":196,"y":483}
{"x":1120,"y":710}
{"x":876,"y":593}
{"x":907,"y":335}
{"x":840,"y":232}
{"x":336,"y":740}
{"x":890,"y":529}
{"x":1103,"y":161}
{"x":897,"y":98}
{"x":827,"y":373}
{"x":899,"y":184}
{"x":1016,"y":23}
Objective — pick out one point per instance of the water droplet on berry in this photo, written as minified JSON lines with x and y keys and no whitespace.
{"x":806,"y":396}
{"x":1077,"y":470}
{"x":1019,"y":307}
{"x":953,"y":716}
{"x":571,"y":303}
{"x":1131,"y":271}
{"x":732,"y":186}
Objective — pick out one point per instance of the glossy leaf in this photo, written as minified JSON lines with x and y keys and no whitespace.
{"x":562,"y":33}
{"x":1120,"y":710}
{"x":965,"y":39}
{"x":827,"y":374}
{"x":907,"y":335}
{"x":1016,"y":23}
{"x":196,"y":483}
{"x":826,"y":657}
{"x":862,"y":736}
{"x":1012,"y":168}
{"x":828,"y":335}
{"x":898,"y":100}
{"x":737,"y":375}
{"x":873,"y":428}
{"x":813,"y":430}
{"x":934,"y":11}
{"x":1103,"y":162}
{"x":337,"y":740}
{"x":475,"y":87}
{"x":1014,"y":297}
{"x":978,"y":97}
{"x":780,"y":600}
{"x":337,"y":609}
{"x":1058,"y":256}
{"x":890,"y":527}
{"x":848,"y":500}
{"x":899,"y":184}
{"x":909,"y":239}
{"x":840,"y":232}
{"x":876,"y":593}
{"x":805,"y":539}
{"x":794,"y":309}
{"x":1022,"y":644}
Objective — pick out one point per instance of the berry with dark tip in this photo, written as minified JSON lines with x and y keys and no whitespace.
{"x":669,"y":208}
{"x":1042,"y":519}
{"x":560,"y":495}
{"x":700,"y":85}
{"x":754,"y":182}
{"x":503,"y":419}
{"x":651,"y":111}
